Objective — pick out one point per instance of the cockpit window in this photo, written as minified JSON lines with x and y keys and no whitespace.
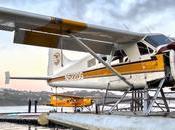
{"x":157,"y":40}
{"x":143,"y":49}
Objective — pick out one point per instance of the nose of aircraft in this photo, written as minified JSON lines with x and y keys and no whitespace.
{"x":171,"y":46}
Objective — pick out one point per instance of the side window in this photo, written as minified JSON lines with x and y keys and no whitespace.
{"x":150,"y":50}
{"x":91,"y":62}
{"x":143,"y":49}
{"x":120,"y":55}
{"x":103,"y":57}
{"x":59,"y":97}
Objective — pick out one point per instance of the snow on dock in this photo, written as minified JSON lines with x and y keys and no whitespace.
{"x":96,"y":121}
{"x":112,"y":122}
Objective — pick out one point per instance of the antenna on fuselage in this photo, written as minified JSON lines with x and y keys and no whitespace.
{"x":126,"y":26}
{"x":148,"y":29}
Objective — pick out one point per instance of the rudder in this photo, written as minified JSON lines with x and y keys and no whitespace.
{"x":56,"y":61}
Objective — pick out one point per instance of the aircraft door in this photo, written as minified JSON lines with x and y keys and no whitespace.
{"x":172,"y":63}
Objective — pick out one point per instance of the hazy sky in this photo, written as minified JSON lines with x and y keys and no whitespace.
{"x":134,"y":15}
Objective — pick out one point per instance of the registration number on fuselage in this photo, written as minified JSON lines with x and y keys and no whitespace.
{"x":74,"y":76}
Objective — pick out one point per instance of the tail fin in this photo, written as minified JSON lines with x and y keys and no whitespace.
{"x":56,"y":61}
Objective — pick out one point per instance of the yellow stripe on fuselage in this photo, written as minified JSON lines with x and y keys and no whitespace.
{"x":153,"y":65}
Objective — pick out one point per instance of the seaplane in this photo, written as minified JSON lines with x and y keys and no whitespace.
{"x":61,"y":100}
{"x":118,"y":60}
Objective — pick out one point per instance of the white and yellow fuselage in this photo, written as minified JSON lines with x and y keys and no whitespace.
{"x":139,"y":73}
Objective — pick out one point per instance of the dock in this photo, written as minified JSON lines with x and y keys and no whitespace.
{"x":91,"y":121}
{"x":21,"y":118}
{"x":25,"y":118}
{"x":112,"y":122}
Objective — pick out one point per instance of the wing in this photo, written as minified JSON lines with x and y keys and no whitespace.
{"x":46,"y":31}
{"x":67,"y":96}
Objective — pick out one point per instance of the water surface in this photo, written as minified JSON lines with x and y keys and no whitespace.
{"x":40,"y":108}
{"x":13,"y":126}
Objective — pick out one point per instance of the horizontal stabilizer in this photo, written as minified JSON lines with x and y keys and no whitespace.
{"x":8,"y":77}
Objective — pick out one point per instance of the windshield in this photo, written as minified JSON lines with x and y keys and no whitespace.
{"x":157,"y":40}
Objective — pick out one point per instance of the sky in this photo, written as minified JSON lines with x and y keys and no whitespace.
{"x":150,"y":16}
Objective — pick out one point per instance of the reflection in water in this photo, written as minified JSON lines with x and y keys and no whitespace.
{"x":32,"y":127}
{"x":29,"y":127}
{"x":13,"y":126}
{"x":45,"y":128}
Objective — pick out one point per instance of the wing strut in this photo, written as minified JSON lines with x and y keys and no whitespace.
{"x":102,"y":61}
